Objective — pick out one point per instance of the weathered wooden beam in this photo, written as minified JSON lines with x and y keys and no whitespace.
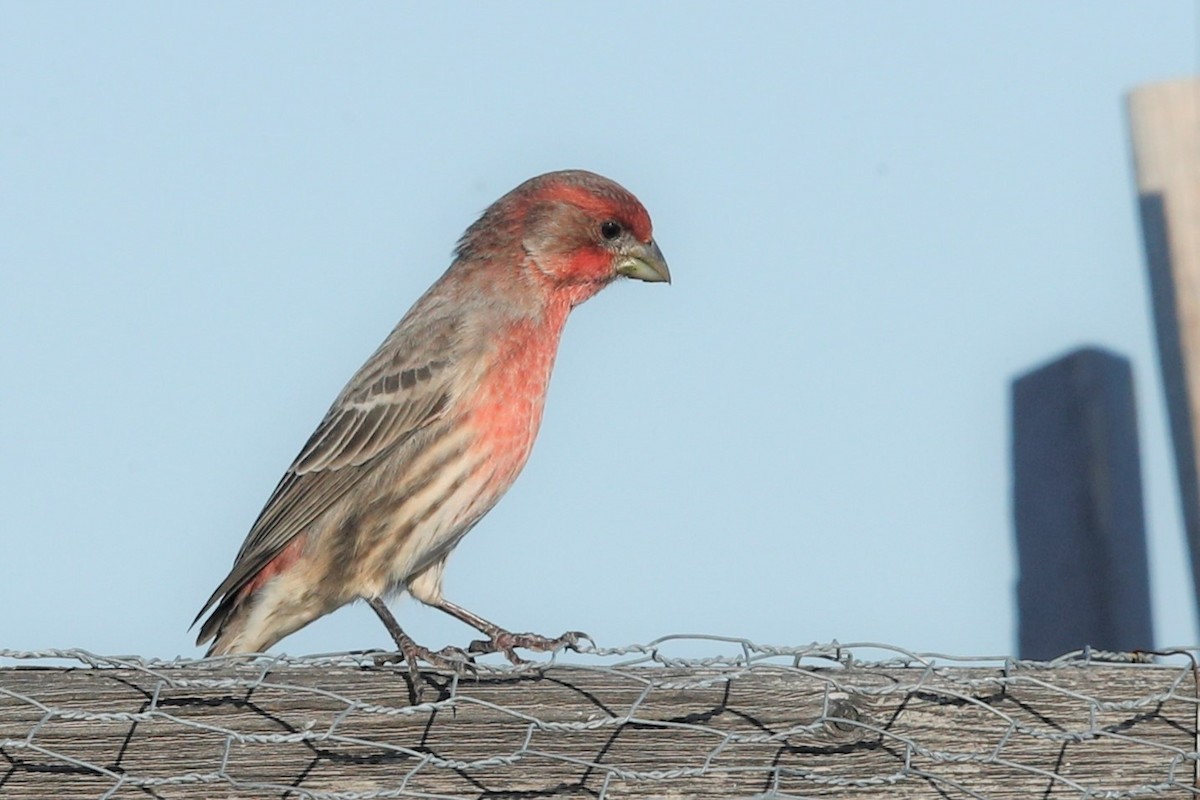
{"x":343,"y":728}
{"x":1077,"y":506}
{"x":1165,"y":122}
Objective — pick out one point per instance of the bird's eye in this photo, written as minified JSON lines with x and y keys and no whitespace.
{"x":610,"y":229}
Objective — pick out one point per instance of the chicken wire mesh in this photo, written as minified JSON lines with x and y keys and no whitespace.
{"x":742,"y":719}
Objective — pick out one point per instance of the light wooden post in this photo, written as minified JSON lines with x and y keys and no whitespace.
{"x":1077,"y":506}
{"x":1165,"y":122}
{"x":344,"y":731}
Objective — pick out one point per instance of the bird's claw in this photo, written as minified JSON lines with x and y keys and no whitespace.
{"x":452,"y":659}
{"x":506,"y":643}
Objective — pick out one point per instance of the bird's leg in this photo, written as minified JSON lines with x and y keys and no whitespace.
{"x":450,"y":658}
{"x":502,"y":641}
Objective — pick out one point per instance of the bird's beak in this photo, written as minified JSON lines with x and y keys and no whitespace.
{"x":644,"y":262}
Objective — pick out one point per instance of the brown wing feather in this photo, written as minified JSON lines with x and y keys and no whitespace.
{"x":382,"y":406}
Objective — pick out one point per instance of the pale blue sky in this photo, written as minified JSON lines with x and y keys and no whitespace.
{"x":875,"y":213}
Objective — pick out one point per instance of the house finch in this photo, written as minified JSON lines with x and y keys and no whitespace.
{"x":435,"y":426}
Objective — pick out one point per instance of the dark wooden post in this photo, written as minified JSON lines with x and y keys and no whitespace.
{"x":1077,"y":504}
{"x":1165,"y":122}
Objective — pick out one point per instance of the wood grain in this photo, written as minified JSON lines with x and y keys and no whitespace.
{"x":228,"y":731}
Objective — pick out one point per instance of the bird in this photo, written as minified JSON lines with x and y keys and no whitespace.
{"x":435,"y":426}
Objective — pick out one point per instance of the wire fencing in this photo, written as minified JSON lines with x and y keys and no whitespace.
{"x":746,"y":720}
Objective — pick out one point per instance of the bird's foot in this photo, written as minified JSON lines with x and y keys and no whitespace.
{"x":451,"y":659}
{"x":502,"y":641}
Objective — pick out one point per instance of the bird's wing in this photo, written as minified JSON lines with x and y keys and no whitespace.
{"x":394,"y":395}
